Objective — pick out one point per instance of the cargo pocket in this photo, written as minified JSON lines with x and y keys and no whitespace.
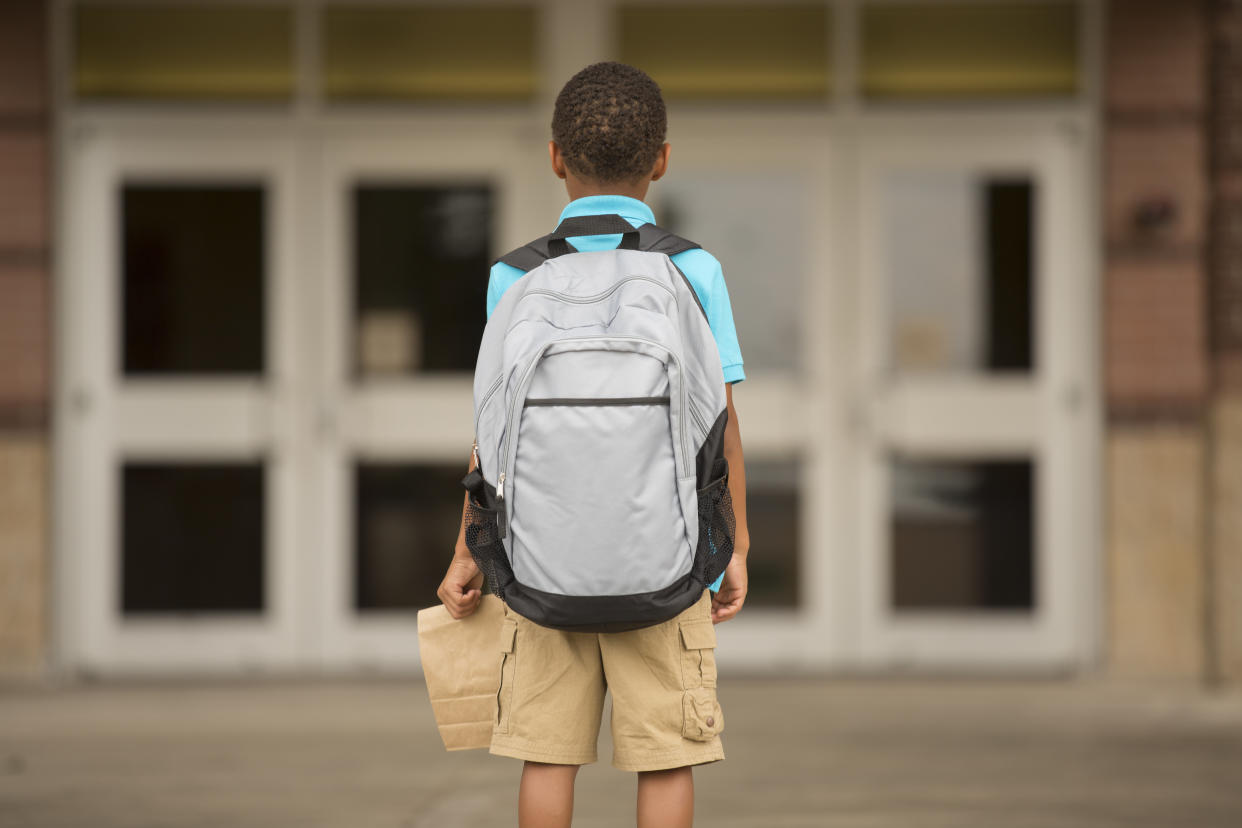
{"x":508,"y":667}
{"x":702,"y":718}
{"x":717,"y":526}
{"x":698,"y":653}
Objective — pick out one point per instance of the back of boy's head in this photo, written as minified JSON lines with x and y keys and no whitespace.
{"x":609,"y":122}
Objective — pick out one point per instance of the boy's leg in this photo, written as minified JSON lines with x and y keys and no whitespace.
{"x":548,"y":711}
{"x":665,"y":714}
{"x":666,"y":798}
{"x":546,"y":797}
{"x":551,"y":694}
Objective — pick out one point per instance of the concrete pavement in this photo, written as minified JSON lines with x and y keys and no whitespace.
{"x":846,"y":753}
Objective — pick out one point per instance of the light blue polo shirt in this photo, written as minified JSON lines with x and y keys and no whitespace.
{"x":701,"y":268}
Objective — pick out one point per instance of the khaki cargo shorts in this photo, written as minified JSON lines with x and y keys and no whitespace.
{"x":663,"y":683}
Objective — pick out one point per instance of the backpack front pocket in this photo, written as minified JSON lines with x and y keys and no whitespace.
{"x":594,"y":506}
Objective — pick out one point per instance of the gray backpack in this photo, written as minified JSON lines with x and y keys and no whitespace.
{"x":600,"y":498}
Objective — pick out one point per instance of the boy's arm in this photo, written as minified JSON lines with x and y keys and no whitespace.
{"x":732,"y":594}
{"x":461,"y":590}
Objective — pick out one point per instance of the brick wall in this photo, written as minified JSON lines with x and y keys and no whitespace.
{"x":1225,"y":271}
{"x":24,"y":337}
{"x":1157,"y":369}
{"x":1156,"y":534}
{"x":1173,"y":344}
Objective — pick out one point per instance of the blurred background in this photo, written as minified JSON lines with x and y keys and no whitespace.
{"x":985,"y":260}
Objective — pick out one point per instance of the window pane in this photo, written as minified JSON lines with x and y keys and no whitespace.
{"x":421,"y":262}
{"x":193,"y":278}
{"x":186,"y":51}
{"x":753,"y":224}
{"x":192,"y":537}
{"x":429,"y":53}
{"x":772,"y":515}
{"x":407,"y":519}
{"x":963,"y":535}
{"x":960,"y":271}
{"x":915,"y":50}
{"x":759,"y":51}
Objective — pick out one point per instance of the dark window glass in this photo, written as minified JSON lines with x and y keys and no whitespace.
{"x":959,"y":256}
{"x":193,"y":278}
{"x":772,"y":516}
{"x":963,"y":535}
{"x":406,"y":521}
{"x":421,"y":262}
{"x":1010,"y":300}
{"x":192,"y":537}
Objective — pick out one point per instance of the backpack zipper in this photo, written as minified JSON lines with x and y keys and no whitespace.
{"x":487,"y":397}
{"x":586,"y":300}
{"x":508,"y":445}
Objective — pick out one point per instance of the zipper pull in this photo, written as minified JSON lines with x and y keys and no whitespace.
{"x":475,"y":451}
{"x":502,"y":526}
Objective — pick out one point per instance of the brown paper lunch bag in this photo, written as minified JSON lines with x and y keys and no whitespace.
{"x":461,"y":663}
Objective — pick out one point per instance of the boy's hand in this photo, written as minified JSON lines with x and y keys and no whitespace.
{"x":461,"y":589}
{"x":732,"y":594}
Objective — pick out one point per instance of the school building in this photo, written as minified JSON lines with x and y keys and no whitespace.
{"x":985,"y":259}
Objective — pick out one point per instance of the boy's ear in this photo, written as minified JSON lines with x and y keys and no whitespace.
{"x":661,"y":164}
{"x":558,"y":160}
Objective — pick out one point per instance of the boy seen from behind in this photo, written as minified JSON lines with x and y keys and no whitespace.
{"x":608,"y":131}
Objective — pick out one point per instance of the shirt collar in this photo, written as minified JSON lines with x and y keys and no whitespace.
{"x":597,"y":205}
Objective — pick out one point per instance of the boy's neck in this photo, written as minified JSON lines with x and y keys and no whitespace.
{"x":578,"y":188}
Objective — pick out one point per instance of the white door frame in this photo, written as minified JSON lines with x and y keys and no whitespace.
{"x":778,"y":412}
{"x":312,"y":422}
{"x":820,"y":416}
{"x":422,"y":418}
{"x":1047,"y":415}
{"x":108,"y":418}
{"x":416,"y":418}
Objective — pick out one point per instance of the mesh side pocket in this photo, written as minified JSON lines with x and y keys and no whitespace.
{"x":483,"y":541}
{"x":717,"y":528}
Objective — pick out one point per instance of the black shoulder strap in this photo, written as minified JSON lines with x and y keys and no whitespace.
{"x":529,"y":256}
{"x":647,"y":237}
{"x":659,"y":240}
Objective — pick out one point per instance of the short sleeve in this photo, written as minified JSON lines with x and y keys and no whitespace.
{"x":502,"y":276}
{"x":705,"y":275}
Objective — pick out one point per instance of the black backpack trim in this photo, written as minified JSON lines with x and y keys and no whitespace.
{"x":650,"y":238}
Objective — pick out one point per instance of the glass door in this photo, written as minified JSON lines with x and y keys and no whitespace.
{"x":975,"y":467}
{"x":753,"y":194}
{"x":412,"y":221}
{"x":179,"y":466}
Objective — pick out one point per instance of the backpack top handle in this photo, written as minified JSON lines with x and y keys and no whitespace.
{"x":591,"y":226}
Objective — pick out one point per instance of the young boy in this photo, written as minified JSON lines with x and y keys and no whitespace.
{"x":608,"y":145}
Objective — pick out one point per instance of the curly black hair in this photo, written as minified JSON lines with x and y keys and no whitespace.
{"x":609,"y":122}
